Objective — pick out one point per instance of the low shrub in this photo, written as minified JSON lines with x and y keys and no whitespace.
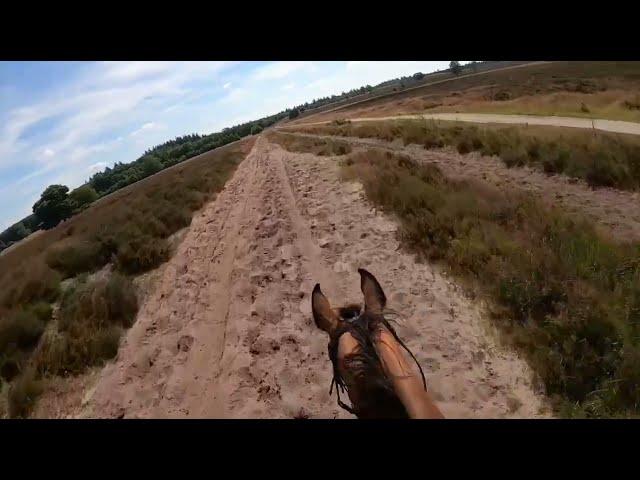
{"x":21,"y":328}
{"x":77,"y":257}
{"x":22,"y":394}
{"x":92,"y":317}
{"x":568,"y":298}
{"x":601,"y":160}
{"x":141,"y":253}
{"x":34,"y":282}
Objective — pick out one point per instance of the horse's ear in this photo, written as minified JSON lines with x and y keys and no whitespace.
{"x":374,"y":298}
{"x":324,"y":316}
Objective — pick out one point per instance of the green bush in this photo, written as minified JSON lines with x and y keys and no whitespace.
{"x":83,"y":196}
{"x":294,"y":113}
{"x":53,"y":206}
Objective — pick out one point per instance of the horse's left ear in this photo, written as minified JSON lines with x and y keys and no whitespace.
{"x":325,"y":317}
{"x":374,"y":297}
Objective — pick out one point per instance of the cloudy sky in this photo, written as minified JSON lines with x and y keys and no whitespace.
{"x":62,"y":121}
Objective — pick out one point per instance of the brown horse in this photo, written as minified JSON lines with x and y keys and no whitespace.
{"x":367,"y":357}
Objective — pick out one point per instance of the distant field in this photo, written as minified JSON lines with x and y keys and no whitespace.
{"x":84,"y":317}
{"x":396,"y":88}
{"x":608,"y":90}
{"x":602,"y":159}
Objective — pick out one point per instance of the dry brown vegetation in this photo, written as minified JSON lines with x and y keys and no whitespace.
{"x":601,"y":159}
{"x":581,"y":89}
{"x":127,"y":230}
{"x":564,"y":295}
{"x":318,"y":146}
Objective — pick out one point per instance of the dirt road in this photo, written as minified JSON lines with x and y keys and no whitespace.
{"x":616,"y":126}
{"x":227,"y":331}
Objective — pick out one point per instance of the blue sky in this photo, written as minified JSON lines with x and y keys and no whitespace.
{"x":62,"y":121}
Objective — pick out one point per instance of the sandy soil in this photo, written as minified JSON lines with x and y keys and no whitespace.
{"x":616,"y":212}
{"x":227,"y":332}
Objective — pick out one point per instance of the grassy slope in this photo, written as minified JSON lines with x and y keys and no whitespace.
{"x":584,"y":89}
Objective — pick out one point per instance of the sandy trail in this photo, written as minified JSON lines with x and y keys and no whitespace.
{"x":616,"y":212}
{"x":228,"y":333}
{"x":616,"y":126}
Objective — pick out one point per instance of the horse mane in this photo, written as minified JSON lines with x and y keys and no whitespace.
{"x":364,"y":364}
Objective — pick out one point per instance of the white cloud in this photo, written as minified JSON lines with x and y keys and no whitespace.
{"x":288,"y":86}
{"x":73,"y":156}
{"x":358,"y":73}
{"x":147,"y":126}
{"x":227,"y":85}
{"x":66,"y":133}
{"x":234,"y":95}
{"x":131,"y":71}
{"x":104,"y":96}
{"x":277,"y":70}
{"x":96,"y":167}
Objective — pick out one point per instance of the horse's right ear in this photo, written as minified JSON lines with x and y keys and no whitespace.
{"x":324,"y":316}
{"x":374,"y":297}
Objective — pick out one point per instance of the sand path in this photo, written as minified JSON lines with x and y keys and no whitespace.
{"x":227,"y":332}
